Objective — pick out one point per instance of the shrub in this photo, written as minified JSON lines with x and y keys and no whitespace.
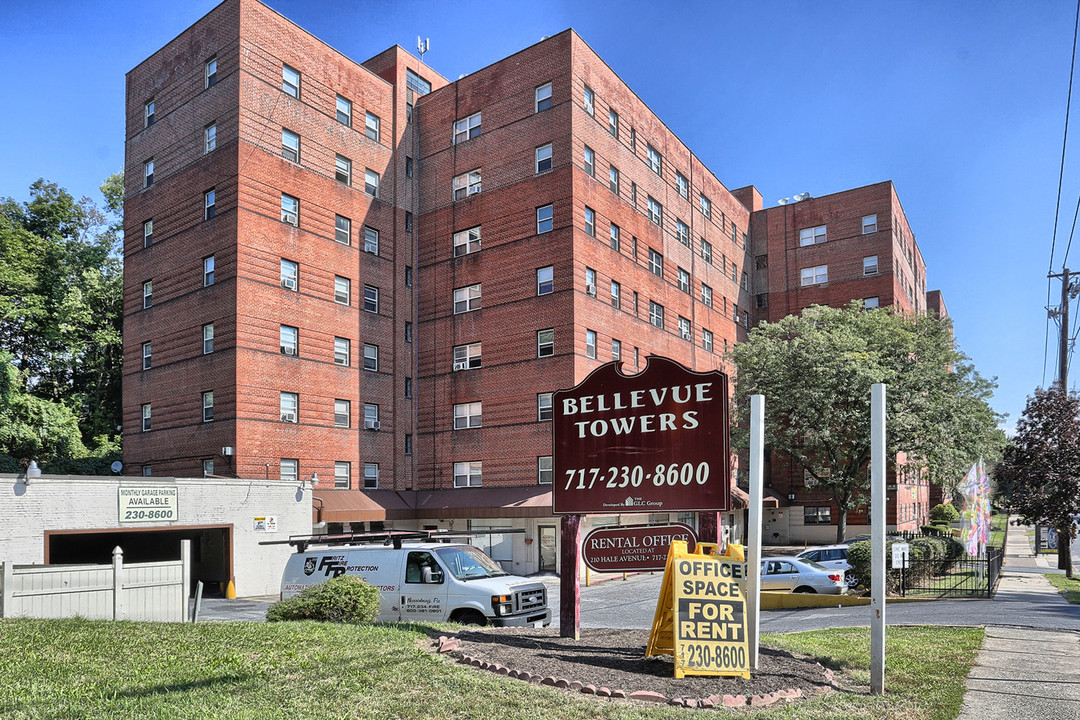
{"x":944,"y":514}
{"x":344,"y":599}
{"x":940,"y":552}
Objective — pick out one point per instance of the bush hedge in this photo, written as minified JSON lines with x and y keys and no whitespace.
{"x":344,"y":599}
{"x":941,"y":551}
{"x":944,"y":514}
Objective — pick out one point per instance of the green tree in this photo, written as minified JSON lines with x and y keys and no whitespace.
{"x":815,"y":371}
{"x":1039,"y":475}
{"x":32,"y":428}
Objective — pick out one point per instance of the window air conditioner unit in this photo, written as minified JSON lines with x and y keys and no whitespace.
{"x":227,"y":451}
{"x":287,"y":350}
{"x":473,"y":189}
{"x":590,"y":289}
{"x":461,"y":366}
{"x":288,"y":283}
{"x":288,"y":417}
{"x":372,"y":425}
{"x":370,"y":251}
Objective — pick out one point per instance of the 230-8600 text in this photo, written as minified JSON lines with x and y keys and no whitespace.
{"x":626,"y":476}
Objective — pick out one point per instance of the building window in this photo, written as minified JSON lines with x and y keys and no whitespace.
{"x":682,"y":184}
{"x":543,"y":406}
{"x":468,"y":474}
{"x":417,"y":84}
{"x":616,"y":295}
{"x":371,"y":416}
{"x":734,"y":312}
{"x":544,"y":219}
{"x":706,"y":294}
{"x":467,"y":357}
{"x":706,"y":205}
{"x":869,"y":224}
{"x":812,"y":236}
{"x":342,"y":351}
{"x":342,"y":413}
{"x":590,"y":344}
{"x":371,"y":299}
{"x":371,"y":182}
{"x":544,"y":472}
{"x":614,"y":232}
{"x":545,"y":280}
{"x":147,"y":351}
{"x":869,"y":265}
{"x":684,"y":328}
{"x":468,"y":415}
{"x":707,"y":339}
{"x":467,"y":184}
{"x":209,"y":201}
{"x":148,"y":233}
{"x":208,"y":406}
{"x":408,"y":166}
{"x":590,"y":221}
{"x":543,"y":158}
{"x":371,"y":357}
{"x":590,"y":281}
{"x":761,"y":262}
{"x":545,"y":342}
{"x":147,"y":293}
{"x":342,"y":474}
{"x":543,"y":97}
{"x":656,"y":211}
{"x":148,"y":113}
{"x":466,"y":241}
{"x":613,"y":123}
{"x":289,"y":404}
{"x":290,"y":210}
{"x":683,"y":232}
{"x":208,"y":338}
{"x":762,"y":300}
{"x":408,"y":331}
{"x":371,"y":476}
{"x":207,"y":468}
{"x":706,"y":251}
{"x":613,"y":179}
{"x":146,"y":423}
{"x":814,"y":275}
{"x":343,"y":169}
{"x":467,"y":299}
{"x":408,"y":387}
{"x":371,"y":240}
{"x":656,"y":263}
{"x":290,"y":146}
{"x":344,"y":111}
{"x":208,"y":271}
{"x":210,"y":72}
{"x":684,"y":280}
{"x":817,"y":515}
{"x":588,"y":100}
{"x":148,"y":173}
{"x":616,"y":349}
{"x":633,"y":194}
{"x":342,"y":229}
{"x":290,"y":275}
{"x":372,"y":125}
{"x":467,"y":128}
{"x":289,"y":469}
{"x":870,"y":303}
{"x":656,"y":314}
{"x":210,"y":138}
{"x":656,"y":161}
{"x":633,"y":140}
{"x":290,"y":340}
{"x":408,"y":221}
{"x":745,"y":281}
{"x":408,"y":276}
{"x":290,"y":81}
{"x":590,"y":161}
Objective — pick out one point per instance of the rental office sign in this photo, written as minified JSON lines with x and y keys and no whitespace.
{"x":652,"y":442}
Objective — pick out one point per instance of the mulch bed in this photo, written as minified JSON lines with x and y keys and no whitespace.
{"x":614,"y":660}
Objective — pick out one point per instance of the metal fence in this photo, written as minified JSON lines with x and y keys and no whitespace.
{"x":963,"y":577}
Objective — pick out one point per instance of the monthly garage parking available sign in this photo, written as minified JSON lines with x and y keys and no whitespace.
{"x":147,"y":504}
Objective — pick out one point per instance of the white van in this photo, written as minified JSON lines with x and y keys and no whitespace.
{"x":433,"y":582}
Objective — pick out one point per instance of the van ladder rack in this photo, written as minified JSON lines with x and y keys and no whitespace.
{"x":386,"y":537}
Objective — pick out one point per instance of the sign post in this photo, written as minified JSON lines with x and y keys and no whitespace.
{"x":877,"y":539}
{"x":569,"y":583}
{"x":753,"y":557}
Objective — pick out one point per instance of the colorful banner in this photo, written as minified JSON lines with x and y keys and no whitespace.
{"x":976,"y":513}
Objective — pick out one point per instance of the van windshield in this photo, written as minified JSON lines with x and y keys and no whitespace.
{"x":468,"y":563}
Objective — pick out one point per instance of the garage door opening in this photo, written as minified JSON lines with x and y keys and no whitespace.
{"x":211,"y":550}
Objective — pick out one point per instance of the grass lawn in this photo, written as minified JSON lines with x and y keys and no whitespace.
{"x":1069,"y":588}
{"x":99,"y":669}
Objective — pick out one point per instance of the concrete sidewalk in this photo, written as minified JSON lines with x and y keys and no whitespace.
{"x":1022,"y":673}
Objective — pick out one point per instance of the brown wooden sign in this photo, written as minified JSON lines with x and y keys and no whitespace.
{"x":633,"y":548}
{"x":652,"y":442}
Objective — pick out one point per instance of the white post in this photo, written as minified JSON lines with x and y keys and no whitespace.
{"x":6,"y":589}
{"x":118,"y":583}
{"x":753,"y":533}
{"x":877,"y":539}
{"x":185,"y":568}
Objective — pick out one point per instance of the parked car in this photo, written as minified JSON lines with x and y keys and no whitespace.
{"x":831,"y":556}
{"x":792,"y":574}
{"x":860,"y":538}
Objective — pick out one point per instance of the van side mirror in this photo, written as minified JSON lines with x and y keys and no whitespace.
{"x":429,"y":576}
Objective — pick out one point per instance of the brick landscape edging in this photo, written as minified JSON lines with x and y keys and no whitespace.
{"x":452,"y":645}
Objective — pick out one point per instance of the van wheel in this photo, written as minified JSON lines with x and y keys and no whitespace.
{"x":804,"y":589}
{"x":471,"y":617}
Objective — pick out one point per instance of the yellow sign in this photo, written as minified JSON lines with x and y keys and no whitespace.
{"x":701,"y":614}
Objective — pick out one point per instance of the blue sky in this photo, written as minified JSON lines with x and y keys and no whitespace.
{"x":961,"y":105}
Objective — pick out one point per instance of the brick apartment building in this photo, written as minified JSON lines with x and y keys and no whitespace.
{"x":369,"y":278}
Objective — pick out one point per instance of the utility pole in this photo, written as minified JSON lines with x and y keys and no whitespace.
{"x":1068,"y":292}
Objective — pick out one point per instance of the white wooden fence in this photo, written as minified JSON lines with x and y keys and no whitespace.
{"x":138,"y":591}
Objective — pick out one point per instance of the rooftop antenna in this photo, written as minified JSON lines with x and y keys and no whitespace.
{"x":422,"y":46}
